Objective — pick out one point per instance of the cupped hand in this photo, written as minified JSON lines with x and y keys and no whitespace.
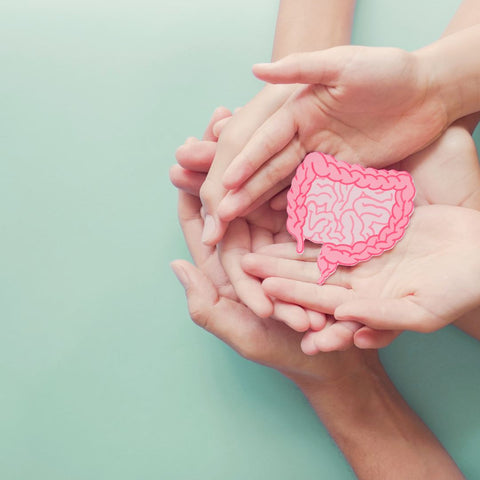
{"x":428,"y":280}
{"x":263,"y":226}
{"x":214,"y":306}
{"x":365,"y":105}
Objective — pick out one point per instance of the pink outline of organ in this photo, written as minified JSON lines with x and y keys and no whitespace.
{"x":333,"y":253}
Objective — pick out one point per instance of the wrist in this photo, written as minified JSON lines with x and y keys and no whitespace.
{"x":451,"y":68}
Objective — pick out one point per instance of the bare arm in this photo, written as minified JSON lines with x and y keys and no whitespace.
{"x":308,"y":25}
{"x":379,"y":434}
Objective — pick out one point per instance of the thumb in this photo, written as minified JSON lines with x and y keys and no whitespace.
{"x":200,"y":292}
{"x":368,"y":338}
{"x":388,"y":314}
{"x":321,"y":67}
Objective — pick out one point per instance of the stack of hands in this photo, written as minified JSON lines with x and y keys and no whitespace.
{"x":378,"y":107}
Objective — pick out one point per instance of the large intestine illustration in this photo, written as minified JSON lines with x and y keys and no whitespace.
{"x":354,"y":212}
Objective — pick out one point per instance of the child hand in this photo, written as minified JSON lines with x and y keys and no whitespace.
{"x":427,"y":281}
{"x":232,"y":139}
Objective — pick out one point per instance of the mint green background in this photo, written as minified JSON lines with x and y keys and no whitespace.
{"x":102,"y":374}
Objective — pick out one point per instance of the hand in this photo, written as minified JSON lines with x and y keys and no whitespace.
{"x":347,"y":112}
{"x":232,"y":139}
{"x":428,"y":280}
{"x":214,"y":306}
{"x":261,"y":227}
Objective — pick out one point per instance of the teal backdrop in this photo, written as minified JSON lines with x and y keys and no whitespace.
{"x":102,"y":373}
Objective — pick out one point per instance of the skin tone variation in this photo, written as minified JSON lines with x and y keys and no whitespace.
{"x":217,"y":289}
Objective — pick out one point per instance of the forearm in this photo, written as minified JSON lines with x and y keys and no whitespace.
{"x":467,"y":15}
{"x":452,"y":65}
{"x":470,"y":323}
{"x":308,"y":25}
{"x":378,"y":433}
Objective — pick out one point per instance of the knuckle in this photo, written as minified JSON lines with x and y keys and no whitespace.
{"x":199,"y":315}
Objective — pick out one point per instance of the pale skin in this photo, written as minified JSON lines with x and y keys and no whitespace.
{"x":302,"y":26}
{"x":374,"y":404}
{"x":345,"y":111}
{"x":427,"y":168}
{"x":428,"y":280}
{"x":261,"y":227}
{"x":454,"y":152}
{"x":380,"y":436}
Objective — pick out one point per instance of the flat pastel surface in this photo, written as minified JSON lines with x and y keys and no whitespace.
{"x":103,"y":374}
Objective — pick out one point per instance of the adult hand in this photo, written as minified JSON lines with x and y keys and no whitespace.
{"x":214,"y":306}
{"x":262,"y":226}
{"x":371,"y":106}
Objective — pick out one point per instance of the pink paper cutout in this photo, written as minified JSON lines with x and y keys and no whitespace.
{"x":354,"y":212}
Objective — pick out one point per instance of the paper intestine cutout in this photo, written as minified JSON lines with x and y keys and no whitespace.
{"x":354,"y":212}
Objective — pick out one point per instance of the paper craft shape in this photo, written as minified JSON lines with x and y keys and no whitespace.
{"x":354,"y":212}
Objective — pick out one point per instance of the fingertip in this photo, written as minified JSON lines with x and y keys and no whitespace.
{"x":173,"y":172}
{"x":179,"y":269}
{"x":213,"y":230}
{"x":316,"y":319}
{"x":248,"y":261}
{"x":259,"y":68}
{"x":270,"y":284}
{"x":345,"y":313}
{"x":230,"y":179}
{"x":227,"y":210}
{"x":308,"y":345}
{"x":263,"y":309}
{"x":363,"y":341}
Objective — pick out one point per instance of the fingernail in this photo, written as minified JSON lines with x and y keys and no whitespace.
{"x":208,"y":229}
{"x":181,"y":274}
{"x":226,"y":209}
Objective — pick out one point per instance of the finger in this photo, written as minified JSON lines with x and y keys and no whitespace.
{"x":264,"y":198}
{"x":267,"y":182}
{"x":192,"y":227}
{"x":336,"y":337}
{"x":219,"y":126}
{"x":367,"y":337}
{"x":292,"y":315}
{"x":271,"y":138}
{"x":186,"y":180}
{"x":317,"y":320}
{"x":264,"y":266}
{"x":235,"y":244}
{"x":259,"y":237}
{"x":323,"y":67}
{"x":197,"y":156}
{"x":389,"y":314}
{"x":325,"y":298}
{"x":218,"y":115}
{"x":288,"y":250}
{"x":279,"y":202}
{"x":234,"y":136}
{"x":230,"y":321}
